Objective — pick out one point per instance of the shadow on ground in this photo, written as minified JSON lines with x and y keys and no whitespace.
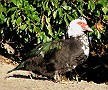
{"x":94,"y":69}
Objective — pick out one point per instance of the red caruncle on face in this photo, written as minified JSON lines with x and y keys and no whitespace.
{"x":83,"y":25}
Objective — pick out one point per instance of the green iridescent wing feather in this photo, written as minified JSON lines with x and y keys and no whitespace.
{"x":44,"y":48}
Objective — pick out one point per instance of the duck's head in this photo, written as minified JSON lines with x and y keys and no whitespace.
{"x":77,"y":27}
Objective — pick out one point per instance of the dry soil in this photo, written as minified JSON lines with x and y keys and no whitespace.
{"x":24,"y":83}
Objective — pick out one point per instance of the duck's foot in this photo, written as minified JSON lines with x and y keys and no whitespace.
{"x":57,"y":77}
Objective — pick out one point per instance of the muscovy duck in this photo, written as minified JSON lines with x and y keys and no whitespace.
{"x":51,"y":59}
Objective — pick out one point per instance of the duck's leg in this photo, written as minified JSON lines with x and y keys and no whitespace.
{"x":30,"y":75}
{"x":57,"y":76}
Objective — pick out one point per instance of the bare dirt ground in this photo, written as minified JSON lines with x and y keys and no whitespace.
{"x":13,"y":83}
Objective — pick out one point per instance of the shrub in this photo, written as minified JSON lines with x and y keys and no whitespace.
{"x":24,"y":23}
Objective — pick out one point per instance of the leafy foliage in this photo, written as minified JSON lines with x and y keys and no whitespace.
{"x":24,"y":23}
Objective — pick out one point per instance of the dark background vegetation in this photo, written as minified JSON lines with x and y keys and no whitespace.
{"x":25,"y":23}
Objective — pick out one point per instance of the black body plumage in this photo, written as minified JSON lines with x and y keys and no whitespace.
{"x":47,"y":58}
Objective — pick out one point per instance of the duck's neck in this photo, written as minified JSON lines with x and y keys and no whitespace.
{"x":85,"y":44}
{"x":74,"y":33}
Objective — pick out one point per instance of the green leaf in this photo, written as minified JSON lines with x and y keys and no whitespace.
{"x":45,"y":6}
{"x":28,"y":21}
{"x":80,"y":11}
{"x":35,"y":17}
{"x":55,"y":14}
{"x":60,"y":21}
{"x":97,"y":33}
{"x":14,"y":1}
{"x":80,"y":0}
{"x":26,"y":40}
{"x":69,"y":17}
{"x":32,"y":9}
{"x":2,"y":8}
{"x":105,"y":17}
{"x":12,"y":9}
{"x":49,"y":13}
{"x":31,"y":30}
{"x":60,"y":12}
{"x":7,"y":21}
{"x":19,"y":3}
{"x":48,"y":20}
{"x":103,"y":2}
{"x":2,"y":17}
{"x":91,"y":5}
{"x":55,"y":3}
{"x":36,"y":29}
{"x":67,"y":7}
{"x":65,"y":19}
{"x":22,"y":27}
{"x":13,"y":19}
{"x":18,"y":21}
{"x":105,"y":9}
{"x":49,"y":29}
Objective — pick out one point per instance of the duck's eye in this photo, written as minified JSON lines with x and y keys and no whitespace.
{"x":80,"y":23}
